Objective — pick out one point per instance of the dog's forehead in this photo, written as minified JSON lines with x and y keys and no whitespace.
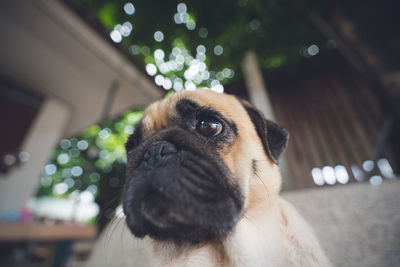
{"x":158,"y":114}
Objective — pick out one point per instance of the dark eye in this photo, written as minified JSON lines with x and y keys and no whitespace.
{"x":209,"y":127}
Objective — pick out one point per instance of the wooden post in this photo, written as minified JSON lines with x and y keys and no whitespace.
{"x":255,"y":85}
{"x":259,"y":97}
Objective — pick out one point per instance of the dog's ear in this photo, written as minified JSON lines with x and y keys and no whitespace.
{"x":273,"y":136}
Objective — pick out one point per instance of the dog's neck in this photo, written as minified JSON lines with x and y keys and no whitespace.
{"x":256,"y":238}
{"x":253,"y":241}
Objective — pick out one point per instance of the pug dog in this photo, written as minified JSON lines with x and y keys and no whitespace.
{"x":202,"y":189}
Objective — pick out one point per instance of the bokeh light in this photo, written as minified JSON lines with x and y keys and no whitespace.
{"x":129,"y":8}
{"x":218,"y":50}
{"x":158,"y":36}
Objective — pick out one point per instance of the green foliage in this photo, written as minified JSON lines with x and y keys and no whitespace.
{"x":278,"y":30}
{"x":107,"y":15}
{"x":81,"y":163}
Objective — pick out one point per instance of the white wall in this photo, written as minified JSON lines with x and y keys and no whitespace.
{"x":48,"y":127}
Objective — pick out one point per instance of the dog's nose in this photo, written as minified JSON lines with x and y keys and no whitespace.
{"x":159,"y":151}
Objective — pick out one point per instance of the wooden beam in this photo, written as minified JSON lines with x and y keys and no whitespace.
{"x":259,"y":97}
{"x":18,"y":231}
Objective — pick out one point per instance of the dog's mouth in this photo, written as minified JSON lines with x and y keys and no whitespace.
{"x":181,"y":196}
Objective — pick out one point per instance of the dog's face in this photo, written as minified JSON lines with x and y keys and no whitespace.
{"x":193,"y":163}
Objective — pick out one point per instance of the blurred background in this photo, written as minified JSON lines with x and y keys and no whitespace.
{"x":75,"y":76}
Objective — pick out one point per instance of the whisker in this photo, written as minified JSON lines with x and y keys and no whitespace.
{"x":256,"y":173}
{"x":113,"y":224}
{"x":266,"y":189}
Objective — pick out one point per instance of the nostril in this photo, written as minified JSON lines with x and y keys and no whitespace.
{"x":146,"y":156}
{"x":168,"y":149}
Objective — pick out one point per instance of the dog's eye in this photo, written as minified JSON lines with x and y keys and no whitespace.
{"x":209,"y":127}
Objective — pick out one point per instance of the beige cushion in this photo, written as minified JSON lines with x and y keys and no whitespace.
{"x":357,"y":224}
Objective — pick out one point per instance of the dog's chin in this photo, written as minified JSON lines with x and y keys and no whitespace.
{"x":187,"y":199}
